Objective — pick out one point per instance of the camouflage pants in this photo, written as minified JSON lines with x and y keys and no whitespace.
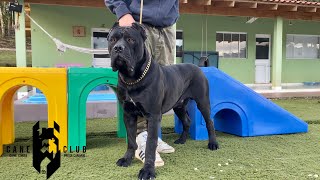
{"x":160,"y":43}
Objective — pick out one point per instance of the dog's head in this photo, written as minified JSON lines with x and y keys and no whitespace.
{"x":126,"y":47}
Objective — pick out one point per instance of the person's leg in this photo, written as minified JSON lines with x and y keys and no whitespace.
{"x":164,"y":50}
{"x":164,"y":54}
{"x":150,"y":43}
{"x":160,"y":44}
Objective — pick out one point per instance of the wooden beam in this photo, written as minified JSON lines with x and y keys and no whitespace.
{"x":308,"y":9}
{"x":285,"y":7}
{"x":201,"y":2}
{"x":272,"y":7}
{"x":76,"y":3}
{"x":248,"y":12}
{"x":224,"y":3}
{"x":217,"y":7}
{"x":244,"y":4}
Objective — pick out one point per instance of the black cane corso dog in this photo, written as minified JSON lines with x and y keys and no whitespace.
{"x":148,"y":89}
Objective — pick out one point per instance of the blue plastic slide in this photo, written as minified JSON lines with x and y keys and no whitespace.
{"x":237,"y":109}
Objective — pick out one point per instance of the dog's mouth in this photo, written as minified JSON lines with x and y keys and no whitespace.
{"x":122,"y":64}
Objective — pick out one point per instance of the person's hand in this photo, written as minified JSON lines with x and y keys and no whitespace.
{"x":126,"y":20}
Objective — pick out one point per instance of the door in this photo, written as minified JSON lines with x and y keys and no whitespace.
{"x":262,"y":62}
{"x":99,"y":41}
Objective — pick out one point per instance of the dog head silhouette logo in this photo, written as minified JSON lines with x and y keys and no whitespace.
{"x":38,"y":145}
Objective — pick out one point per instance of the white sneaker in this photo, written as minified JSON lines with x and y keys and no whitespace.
{"x":163,"y":147}
{"x":140,"y":152}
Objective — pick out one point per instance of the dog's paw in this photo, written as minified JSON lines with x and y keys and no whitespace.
{"x":180,"y":141}
{"x":147,"y":173}
{"x":123,"y":162}
{"x":213,"y":146}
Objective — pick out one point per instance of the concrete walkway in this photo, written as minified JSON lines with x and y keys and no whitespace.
{"x":38,"y":112}
{"x":287,"y":91}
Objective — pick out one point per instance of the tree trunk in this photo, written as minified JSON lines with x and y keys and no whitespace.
{"x":2,"y":27}
{"x":9,"y":26}
{"x":9,"y":23}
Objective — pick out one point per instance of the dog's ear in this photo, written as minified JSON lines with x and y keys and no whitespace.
{"x":140,"y":28}
{"x":116,"y":24}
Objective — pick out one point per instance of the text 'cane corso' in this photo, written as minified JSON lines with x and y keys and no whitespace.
{"x":148,"y":89}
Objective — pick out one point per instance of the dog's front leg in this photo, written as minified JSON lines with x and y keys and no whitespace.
{"x":131,"y":127}
{"x":148,"y":171}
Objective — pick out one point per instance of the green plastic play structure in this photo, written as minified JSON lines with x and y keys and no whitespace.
{"x":81,"y":81}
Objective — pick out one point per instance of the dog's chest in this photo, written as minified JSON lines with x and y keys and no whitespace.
{"x":133,"y":106}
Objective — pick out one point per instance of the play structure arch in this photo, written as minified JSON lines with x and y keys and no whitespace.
{"x":81,"y":81}
{"x":51,"y":81}
{"x":230,"y":118}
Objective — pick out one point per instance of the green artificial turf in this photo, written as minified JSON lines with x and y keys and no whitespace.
{"x":304,"y":108}
{"x":295,"y":156}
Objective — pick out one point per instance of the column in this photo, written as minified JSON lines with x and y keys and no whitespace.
{"x":21,"y":50}
{"x":277,"y":53}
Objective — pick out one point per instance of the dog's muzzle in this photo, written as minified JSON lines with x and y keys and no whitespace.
{"x":118,"y":48}
{"x":118,"y":62}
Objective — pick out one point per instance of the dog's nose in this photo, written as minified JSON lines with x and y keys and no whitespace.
{"x":118,"y":48}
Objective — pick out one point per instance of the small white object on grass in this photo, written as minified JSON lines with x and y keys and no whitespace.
{"x":227,"y":164}
{"x":219,"y":164}
{"x":316,"y":175}
{"x":211,"y":177}
{"x":230,"y":160}
{"x":196,"y":169}
{"x":221,"y":170}
{"x":310,"y":175}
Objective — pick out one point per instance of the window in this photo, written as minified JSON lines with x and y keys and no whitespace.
{"x":179,"y":43}
{"x":302,"y":47}
{"x":231,"y":45}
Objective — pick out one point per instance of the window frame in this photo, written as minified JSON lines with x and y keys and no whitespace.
{"x":182,"y":38}
{"x":305,"y":35}
{"x":239,"y":33}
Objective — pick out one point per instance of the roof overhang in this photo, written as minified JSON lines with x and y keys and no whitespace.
{"x":288,"y":9}
{"x":253,"y":8}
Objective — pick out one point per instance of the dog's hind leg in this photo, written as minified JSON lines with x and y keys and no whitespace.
{"x":131,"y":127}
{"x":200,"y":92}
{"x":203,"y":105}
{"x":181,"y":112}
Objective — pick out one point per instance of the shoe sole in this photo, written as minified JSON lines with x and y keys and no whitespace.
{"x":168,"y":151}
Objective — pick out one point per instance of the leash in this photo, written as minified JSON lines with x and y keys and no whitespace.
{"x":141,"y":8}
{"x":39,"y":26}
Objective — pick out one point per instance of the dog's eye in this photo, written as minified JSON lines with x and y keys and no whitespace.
{"x":112,"y":39}
{"x":130,"y":40}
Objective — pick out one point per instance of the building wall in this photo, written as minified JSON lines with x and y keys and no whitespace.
{"x":300,"y":70}
{"x":241,"y":69}
{"x":58,"y":21}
